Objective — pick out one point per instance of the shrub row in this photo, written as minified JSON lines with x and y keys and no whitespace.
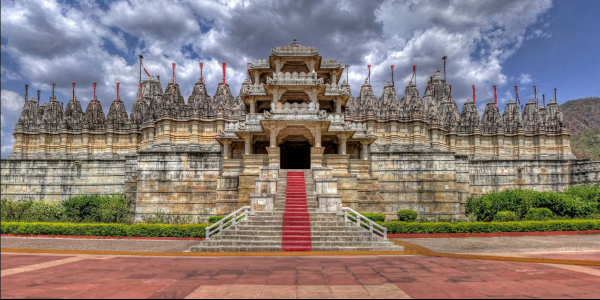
{"x":102,"y":229}
{"x":574,"y":202}
{"x":198,"y":230}
{"x":84,"y":208}
{"x":485,"y":227}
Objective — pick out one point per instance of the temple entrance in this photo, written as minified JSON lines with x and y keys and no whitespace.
{"x":295,"y":155}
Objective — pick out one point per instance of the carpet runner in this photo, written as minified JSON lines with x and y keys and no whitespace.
{"x":296,"y":220}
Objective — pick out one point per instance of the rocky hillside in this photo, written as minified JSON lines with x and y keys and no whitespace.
{"x":583,"y":119}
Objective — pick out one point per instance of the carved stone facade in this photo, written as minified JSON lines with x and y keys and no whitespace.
{"x":216,"y":153}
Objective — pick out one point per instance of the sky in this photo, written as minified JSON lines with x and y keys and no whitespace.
{"x":551,"y":44}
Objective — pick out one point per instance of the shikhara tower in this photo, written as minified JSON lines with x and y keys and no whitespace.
{"x":216,"y":154}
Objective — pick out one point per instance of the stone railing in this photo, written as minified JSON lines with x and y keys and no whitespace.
{"x":253,"y":90}
{"x":294,"y":79}
{"x":330,"y":64}
{"x":231,"y":220}
{"x":350,"y":215}
{"x":294,"y":51}
{"x":336,"y":90}
{"x":260,"y":64}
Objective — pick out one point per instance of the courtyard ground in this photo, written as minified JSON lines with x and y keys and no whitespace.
{"x":511,"y":267}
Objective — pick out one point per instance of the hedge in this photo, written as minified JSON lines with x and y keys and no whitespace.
{"x":105,"y":229}
{"x":198,"y":230}
{"x":485,"y":227}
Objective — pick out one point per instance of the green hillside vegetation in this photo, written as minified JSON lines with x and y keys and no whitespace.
{"x":582,"y":117}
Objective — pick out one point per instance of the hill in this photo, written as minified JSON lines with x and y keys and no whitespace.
{"x":582,"y":117}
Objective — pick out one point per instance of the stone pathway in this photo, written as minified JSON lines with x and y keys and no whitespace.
{"x":404,"y":277}
{"x":97,"y":245}
{"x":510,"y":244}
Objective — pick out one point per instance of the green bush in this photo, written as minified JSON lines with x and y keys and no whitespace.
{"x":32,"y":211}
{"x":505,"y":216}
{"x":407,"y":215}
{"x":100,"y":229}
{"x":215,"y":219}
{"x":44,"y":211}
{"x":539,"y":214}
{"x":575,"y":202}
{"x":487,"y":227}
{"x":98,"y":208}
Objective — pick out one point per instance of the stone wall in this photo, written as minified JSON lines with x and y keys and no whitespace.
{"x":539,"y":175}
{"x":427,"y":182}
{"x":585,"y":172}
{"x":57,"y":180}
{"x":177,"y":183}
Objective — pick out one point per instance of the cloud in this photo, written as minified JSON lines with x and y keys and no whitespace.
{"x":10,"y":107}
{"x":7,"y":74}
{"x":84,"y":42}
{"x":525,"y":78}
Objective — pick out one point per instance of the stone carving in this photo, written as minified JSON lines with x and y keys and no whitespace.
{"x":52,"y":118}
{"x":94,"y":118}
{"x":491,"y":121}
{"x":554,"y":118}
{"x":73,"y":115}
{"x":532,"y":120}
{"x":117,"y":116}
{"x":512,"y":117}
{"x":469,"y":118}
{"x":450,"y":114}
{"x":30,"y":117}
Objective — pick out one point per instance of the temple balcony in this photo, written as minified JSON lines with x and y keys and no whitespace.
{"x":295,"y":79}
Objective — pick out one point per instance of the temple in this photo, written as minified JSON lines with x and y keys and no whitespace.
{"x":213,"y":155}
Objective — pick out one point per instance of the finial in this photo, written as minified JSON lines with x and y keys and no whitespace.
{"x":74,"y":92}
{"x":117,"y":91}
{"x":53,"y":85}
{"x":224,"y":71}
{"x":38,"y":97}
{"x":95,"y":91}
{"x":174,"y":82}
{"x":474,"y":102}
{"x":201,"y":67}
{"x":26,"y":92}
{"x":495,"y":96}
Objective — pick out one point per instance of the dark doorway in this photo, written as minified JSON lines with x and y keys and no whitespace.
{"x":295,"y":155}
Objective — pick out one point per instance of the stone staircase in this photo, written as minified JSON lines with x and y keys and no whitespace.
{"x":265,"y":231}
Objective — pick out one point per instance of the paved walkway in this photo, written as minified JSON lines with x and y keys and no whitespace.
{"x":97,"y":245}
{"x":404,"y":277}
{"x":510,"y":244}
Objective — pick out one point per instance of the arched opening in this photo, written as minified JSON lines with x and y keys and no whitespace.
{"x":295,"y":143}
{"x":295,"y":155}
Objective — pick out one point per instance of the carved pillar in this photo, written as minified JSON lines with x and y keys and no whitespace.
{"x":256,"y":78}
{"x":253,"y":106}
{"x":333,"y":78}
{"x":275,"y":96}
{"x":338,"y":106}
{"x":274,"y":156}
{"x":226,"y":149}
{"x":318,"y":136}
{"x":314,"y":96}
{"x":342,"y":146}
{"x":316,"y":157}
{"x":365,"y":150}
{"x":273,"y":138}
{"x":247,"y":140}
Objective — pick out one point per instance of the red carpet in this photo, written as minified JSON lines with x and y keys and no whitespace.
{"x":296,"y":221}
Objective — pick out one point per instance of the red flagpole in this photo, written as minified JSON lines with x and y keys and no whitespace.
{"x":495,"y":96}
{"x":474,"y":102}
{"x":174,"y":80}
{"x":117,"y":91}
{"x":224,"y":71}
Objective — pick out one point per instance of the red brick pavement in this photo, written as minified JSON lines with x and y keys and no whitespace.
{"x":292,"y":277}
